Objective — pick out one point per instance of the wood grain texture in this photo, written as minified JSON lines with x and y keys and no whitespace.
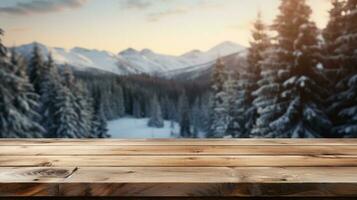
{"x":178,"y":174}
{"x":76,"y":150}
{"x":179,"y":190}
{"x":182,"y":142}
{"x":178,"y":168}
{"x":183,"y":161}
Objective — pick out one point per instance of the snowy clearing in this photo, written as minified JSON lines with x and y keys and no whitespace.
{"x":137,"y":128}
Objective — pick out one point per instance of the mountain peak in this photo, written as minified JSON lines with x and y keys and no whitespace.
{"x":192,"y":54}
{"x":129,"y":51}
{"x":225,"y":48}
{"x":146,"y":51}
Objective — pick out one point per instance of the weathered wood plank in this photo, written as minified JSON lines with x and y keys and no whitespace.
{"x":183,"y":142}
{"x":176,"y":161}
{"x":179,"y":190}
{"x":26,"y":150}
{"x":178,"y":175}
{"x":178,"y":168}
{"x":209,"y":190}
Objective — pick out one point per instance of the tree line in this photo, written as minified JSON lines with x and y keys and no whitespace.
{"x":297,"y":84}
{"x":39,"y":100}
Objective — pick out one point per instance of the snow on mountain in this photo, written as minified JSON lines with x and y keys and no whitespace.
{"x":224,"y":49}
{"x":131,"y":61}
{"x":79,"y":57}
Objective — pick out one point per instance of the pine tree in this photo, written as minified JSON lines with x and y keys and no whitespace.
{"x":302,"y":92}
{"x":2,"y":47}
{"x":246,"y":111}
{"x":35,"y":69}
{"x":234,"y":105}
{"x":331,"y":33}
{"x":137,"y":113}
{"x":165,"y":105}
{"x":85,"y":110}
{"x":99,"y":123}
{"x":220,"y":117}
{"x":185,"y":122}
{"x":267,"y":96}
{"x":344,"y":103}
{"x":78,"y":101}
{"x":18,"y":102}
{"x":156,"y":119}
{"x":120,"y":107}
{"x":196,"y":117}
{"x":16,"y":60}
{"x":65,"y":116}
{"x":49,"y":83}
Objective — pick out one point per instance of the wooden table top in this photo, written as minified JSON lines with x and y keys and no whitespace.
{"x":180,"y":168}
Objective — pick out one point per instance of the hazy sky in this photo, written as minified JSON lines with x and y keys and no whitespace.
{"x":166,"y":26}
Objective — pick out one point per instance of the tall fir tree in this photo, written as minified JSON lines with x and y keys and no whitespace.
{"x":2,"y":47}
{"x":196,"y":117}
{"x":185,"y":121}
{"x":156,"y":119}
{"x":137,"y":112}
{"x":233,"y":102}
{"x":220,"y":116}
{"x":49,"y":83}
{"x":119,"y":103}
{"x":99,"y":122}
{"x":303,"y":88}
{"x":344,"y":103}
{"x":35,"y":69}
{"x":334,"y":29}
{"x":247,"y":111}
{"x":267,"y":96}
{"x":65,"y":116}
{"x":78,"y":101}
{"x":18,"y":61}
{"x":18,"y":102}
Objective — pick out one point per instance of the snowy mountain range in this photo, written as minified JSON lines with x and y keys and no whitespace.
{"x":131,"y":61}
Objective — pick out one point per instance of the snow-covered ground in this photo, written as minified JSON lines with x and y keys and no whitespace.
{"x":137,"y":128}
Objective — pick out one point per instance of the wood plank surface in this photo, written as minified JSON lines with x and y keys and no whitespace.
{"x":178,"y":168}
{"x":183,"y":142}
{"x":31,"y":150}
{"x":184,"y":161}
{"x":178,"y":174}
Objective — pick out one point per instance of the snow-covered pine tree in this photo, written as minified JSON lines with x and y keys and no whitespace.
{"x":156,"y":119}
{"x":303,"y":88}
{"x":137,"y":113}
{"x":344,"y":102}
{"x":18,"y":102}
{"x":196,"y":117}
{"x":247,"y":112}
{"x":165,"y":106}
{"x":184,"y":118}
{"x":234,"y":105}
{"x":35,"y":68}
{"x":84,"y":109}
{"x":220,"y":116}
{"x":205,"y":112}
{"x":49,"y":82}
{"x":2,"y":47}
{"x":17,"y":60}
{"x":267,"y":96}
{"x":65,"y":124}
{"x":99,"y":122}
{"x":78,"y":101}
{"x":333,"y":30}
{"x":119,"y":104}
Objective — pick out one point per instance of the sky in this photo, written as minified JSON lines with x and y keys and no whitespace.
{"x":165,"y":26}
